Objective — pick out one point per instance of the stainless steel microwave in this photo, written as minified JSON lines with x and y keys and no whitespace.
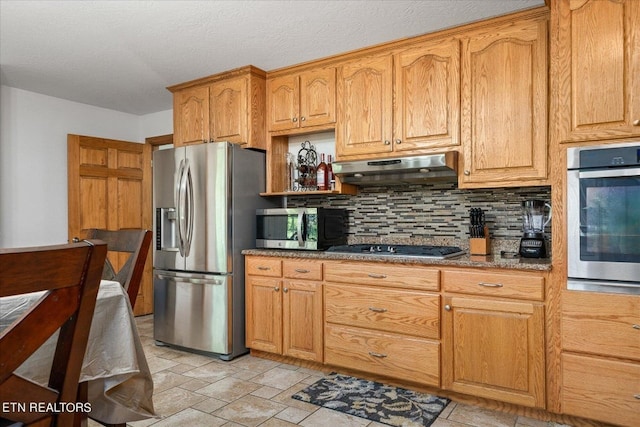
{"x":301,"y":228}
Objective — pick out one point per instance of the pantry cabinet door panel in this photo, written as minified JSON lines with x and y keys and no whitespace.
{"x":598,"y":66}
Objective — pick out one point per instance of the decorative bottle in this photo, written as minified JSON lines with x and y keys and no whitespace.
{"x":330,"y":178}
{"x":322,"y":175}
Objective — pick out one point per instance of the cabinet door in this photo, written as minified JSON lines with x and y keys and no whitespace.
{"x":494,"y":349}
{"x":427,"y":106}
{"x":283,"y":102}
{"x":191,"y":116}
{"x":230,"y":110}
{"x":598,"y":67}
{"x":318,"y":97}
{"x":504,"y":105}
{"x":302,"y":320}
{"x":365,"y":97}
{"x":601,"y":389}
{"x":264,"y":314}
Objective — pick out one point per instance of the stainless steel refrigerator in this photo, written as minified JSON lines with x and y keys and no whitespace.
{"x":205,"y":197}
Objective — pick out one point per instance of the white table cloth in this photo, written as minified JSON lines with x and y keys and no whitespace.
{"x":120,"y":387}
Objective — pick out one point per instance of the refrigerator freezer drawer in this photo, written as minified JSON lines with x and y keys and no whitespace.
{"x":193,"y":311}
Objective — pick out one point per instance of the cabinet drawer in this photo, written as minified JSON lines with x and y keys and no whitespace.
{"x":263,"y":266}
{"x":509,"y":285}
{"x":392,"y":355}
{"x":601,"y":389}
{"x":384,"y":309}
{"x":368,"y":273}
{"x":297,"y":269}
{"x":601,"y":324}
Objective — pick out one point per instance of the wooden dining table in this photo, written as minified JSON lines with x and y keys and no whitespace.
{"x":120,"y":386}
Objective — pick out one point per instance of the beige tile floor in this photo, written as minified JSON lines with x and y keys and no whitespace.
{"x":194,"y":390}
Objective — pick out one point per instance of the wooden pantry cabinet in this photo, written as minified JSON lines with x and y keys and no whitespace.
{"x":224,"y":107}
{"x":423,"y":78}
{"x":383,"y":319}
{"x":597,"y":90}
{"x":493,"y":335}
{"x":302,"y":101}
{"x":284,"y":306}
{"x":601,"y":356}
{"x":504,"y":104}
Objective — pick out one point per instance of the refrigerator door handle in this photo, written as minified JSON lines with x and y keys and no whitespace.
{"x":181,"y":207}
{"x":189,"y":203}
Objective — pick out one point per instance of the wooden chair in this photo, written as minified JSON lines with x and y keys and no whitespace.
{"x":70,"y":275}
{"x":136,"y":242}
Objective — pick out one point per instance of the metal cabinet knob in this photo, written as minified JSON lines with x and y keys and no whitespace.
{"x":467,"y":172}
{"x":636,"y":122}
{"x":295,"y":119}
{"x":302,"y":119}
{"x":277,"y":288}
{"x":285,"y":290}
{"x":447,"y":307}
{"x":387,"y":142}
{"x":398,"y":141}
{"x":636,"y":326}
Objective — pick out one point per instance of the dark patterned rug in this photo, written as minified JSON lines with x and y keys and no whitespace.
{"x":374,"y":401}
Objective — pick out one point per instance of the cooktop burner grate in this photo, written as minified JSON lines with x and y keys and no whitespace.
{"x":422,"y":251}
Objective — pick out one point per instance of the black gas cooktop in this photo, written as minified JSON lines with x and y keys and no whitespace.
{"x":420,"y":251}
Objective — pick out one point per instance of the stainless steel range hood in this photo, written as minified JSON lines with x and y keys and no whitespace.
{"x":402,"y":170}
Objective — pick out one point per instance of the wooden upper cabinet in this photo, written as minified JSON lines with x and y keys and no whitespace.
{"x":427,"y":90}
{"x":302,"y":100}
{"x":504,"y":105}
{"x":598,"y":51}
{"x":191,"y":116}
{"x":223,"y":107}
{"x":365,"y":96}
{"x":229,"y":112}
{"x":425,"y":80}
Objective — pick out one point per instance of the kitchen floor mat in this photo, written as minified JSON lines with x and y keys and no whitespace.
{"x":374,"y":401}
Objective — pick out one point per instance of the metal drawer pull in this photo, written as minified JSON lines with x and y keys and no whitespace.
{"x":490,"y":285}
{"x":379,"y":355}
{"x":637,"y":396}
{"x":377,"y":310}
{"x":377,"y":276}
{"x":301,"y":270}
{"x":636,"y":326}
{"x":264,"y":268}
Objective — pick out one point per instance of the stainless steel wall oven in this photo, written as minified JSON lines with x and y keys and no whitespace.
{"x":603,"y":218}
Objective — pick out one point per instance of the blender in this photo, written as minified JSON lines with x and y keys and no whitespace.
{"x":536,"y":214}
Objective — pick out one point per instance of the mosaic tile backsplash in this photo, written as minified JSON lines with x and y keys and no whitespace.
{"x":438,"y":212}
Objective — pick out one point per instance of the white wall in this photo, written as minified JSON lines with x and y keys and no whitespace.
{"x":33,"y":158}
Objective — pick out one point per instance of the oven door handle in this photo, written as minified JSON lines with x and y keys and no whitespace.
{"x":610,"y":173}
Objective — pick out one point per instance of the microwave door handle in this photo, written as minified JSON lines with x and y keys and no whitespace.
{"x":300,"y":228}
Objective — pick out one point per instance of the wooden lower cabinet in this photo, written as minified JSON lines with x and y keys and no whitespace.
{"x":601,"y":389}
{"x":384,"y":353}
{"x":601,"y":357}
{"x":494,"y":347}
{"x":283,"y":315}
{"x":383,"y":319}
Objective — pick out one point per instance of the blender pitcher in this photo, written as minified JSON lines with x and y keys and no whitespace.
{"x":536,"y":214}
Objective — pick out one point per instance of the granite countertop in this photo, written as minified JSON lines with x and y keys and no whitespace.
{"x":492,"y":261}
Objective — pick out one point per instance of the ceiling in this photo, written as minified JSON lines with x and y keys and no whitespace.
{"x":122,"y":55}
